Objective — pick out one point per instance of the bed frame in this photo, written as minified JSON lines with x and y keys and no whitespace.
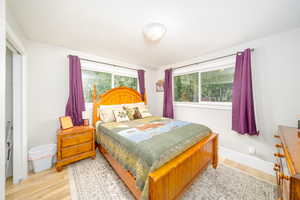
{"x":170,"y":180}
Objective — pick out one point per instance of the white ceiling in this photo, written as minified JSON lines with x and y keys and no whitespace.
{"x":113,"y":29}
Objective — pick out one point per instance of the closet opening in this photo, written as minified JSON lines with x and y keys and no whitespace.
{"x":15,"y":134}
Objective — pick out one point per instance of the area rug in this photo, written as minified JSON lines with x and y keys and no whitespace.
{"x":96,"y":180}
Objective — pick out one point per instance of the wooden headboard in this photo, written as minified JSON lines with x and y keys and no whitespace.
{"x":119,"y":95}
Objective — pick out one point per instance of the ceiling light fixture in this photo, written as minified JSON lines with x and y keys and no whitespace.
{"x":154,"y":31}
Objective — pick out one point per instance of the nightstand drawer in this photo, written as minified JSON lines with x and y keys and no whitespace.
{"x":74,"y":150}
{"x":76,"y":139}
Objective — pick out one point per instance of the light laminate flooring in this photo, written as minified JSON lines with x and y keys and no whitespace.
{"x":52,"y":185}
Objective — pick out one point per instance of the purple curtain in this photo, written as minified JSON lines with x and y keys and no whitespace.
{"x":141,"y":75}
{"x":243,"y":116}
{"x":168,"y":96}
{"x":75,"y":105}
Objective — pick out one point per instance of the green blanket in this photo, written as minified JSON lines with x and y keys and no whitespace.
{"x":143,"y":145}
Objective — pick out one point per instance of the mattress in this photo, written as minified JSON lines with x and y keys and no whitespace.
{"x":143,"y":145}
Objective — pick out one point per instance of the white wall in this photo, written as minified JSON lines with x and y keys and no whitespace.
{"x":2,"y":99}
{"x":48,"y":89}
{"x":276,"y":70}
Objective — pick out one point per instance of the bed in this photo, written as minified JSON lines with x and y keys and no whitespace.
{"x":160,"y":167}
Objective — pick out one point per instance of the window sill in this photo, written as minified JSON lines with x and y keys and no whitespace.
{"x":215,"y":106}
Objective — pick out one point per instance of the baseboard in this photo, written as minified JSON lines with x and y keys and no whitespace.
{"x":248,"y":160}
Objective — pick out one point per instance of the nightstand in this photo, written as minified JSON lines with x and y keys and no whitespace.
{"x":75,"y":144}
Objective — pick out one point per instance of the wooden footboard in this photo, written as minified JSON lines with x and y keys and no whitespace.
{"x":169,"y":181}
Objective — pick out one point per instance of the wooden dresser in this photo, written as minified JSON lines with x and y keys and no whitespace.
{"x":75,"y":144}
{"x":287,"y":166}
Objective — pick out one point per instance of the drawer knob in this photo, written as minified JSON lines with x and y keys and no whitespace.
{"x":276,"y":169}
{"x":276,"y":165}
{"x":278,"y":145}
{"x":279,"y":155}
{"x":276,"y":136}
{"x":282,"y":176}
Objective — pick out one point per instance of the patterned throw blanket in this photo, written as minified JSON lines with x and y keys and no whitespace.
{"x":141,"y":146}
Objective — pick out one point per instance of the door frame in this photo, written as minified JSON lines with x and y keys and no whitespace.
{"x":2,"y":98}
{"x":20,"y":163}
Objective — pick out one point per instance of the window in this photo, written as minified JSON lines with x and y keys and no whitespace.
{"x":186,"y":87}
{"x":104,"y":81}
{"x":209,"y":86}
{"x":216,"y":85}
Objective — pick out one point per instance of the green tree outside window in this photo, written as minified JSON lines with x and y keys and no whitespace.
{"x":186,"y":88}
{"x":214,"y":85}
{"x":103,"y":82}
{"x":126,"y":81}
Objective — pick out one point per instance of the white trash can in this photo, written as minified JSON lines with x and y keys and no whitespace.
{"x":42,"y":156}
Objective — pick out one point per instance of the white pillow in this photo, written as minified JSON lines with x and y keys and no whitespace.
{"x":111,"y":106}
{"x":143,"y":109}
{"x":106,"y":112}
{"x":132,"y":105}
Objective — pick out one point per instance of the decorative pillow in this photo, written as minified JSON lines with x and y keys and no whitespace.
{"x":133,"y":113}
{"x":120,"y":115}
{"x":130,"y":112}
{"x":144,"y":112}
{"x":137,"y":114}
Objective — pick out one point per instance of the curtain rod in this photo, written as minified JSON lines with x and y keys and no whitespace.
{"x":204,"y":61}
{"x":120,"y":66}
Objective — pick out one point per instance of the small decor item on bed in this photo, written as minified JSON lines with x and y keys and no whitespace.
{"x":65,"y":122}
{"x":121,"y":115}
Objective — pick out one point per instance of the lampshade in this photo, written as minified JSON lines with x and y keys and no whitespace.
{"x":154,"y":31}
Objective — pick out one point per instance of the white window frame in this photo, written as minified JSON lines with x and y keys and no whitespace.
{"x":228,"y":63}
